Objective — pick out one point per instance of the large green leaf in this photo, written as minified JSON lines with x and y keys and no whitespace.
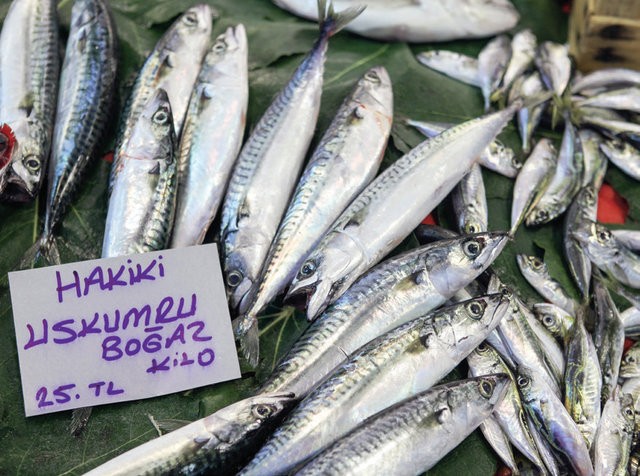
{"x":42,"y":445}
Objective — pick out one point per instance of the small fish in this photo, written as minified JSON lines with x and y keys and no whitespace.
{"x":555,"y":319}
{"x":213,"y":130}
{"x":606,"y":78}
{"x":554,"y":65}
{"x":219,"y":443}
{"x":420,"y":20}
{"x":553,"y":421}
{"x":142,"y":203}
{"x":532,"y":181}
{"x":435,"y":422}
{"x":390,"y":294}
{"x":523,"y":50}
{"x":492,"y":63}
{"x":627,"y":99}
{"x":631,"y":321}
{"x":536,"y":273}
{"x":470,"y":203}
{"x":496,"y":157}
{"x":390,"y":208}
{"x":29,"y":67}
{"x":250,"y":215}
{"x":623,"y":155}
{"x":629,"y":238}
{"x":455,"y":65}
{"x":528,"y":88}
{"x":409,"y":359}
{"x":607,"y":123}
{"x":613,"y":439}
{"x":595,"y":163}
{"x":630,"y":365}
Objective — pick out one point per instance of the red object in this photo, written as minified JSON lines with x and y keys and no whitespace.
{"x":628,"y":343}
{"x":429,"y":220}
{"x":7,"y":142}
{"x":108,"y":157}
{"x":612,"y":207}
{"x":503,"y":471}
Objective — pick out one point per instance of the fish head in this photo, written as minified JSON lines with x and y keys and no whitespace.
{"x":551,"y":317}
{"x":505,"y":155}
{"x":83,"y":13}
{"x":598,"y":242}
{"x":229,"y":44}
{"x":630,"y":365}
{"x":627,"y":412}
{"x":531,"y":265}
{"x":24,"y":171}
{"x":376,"y":84}
{"x":493,"y":387}
{"x":238,"y":277}
{"x":452,"y":264}
{"x":194,"y":26}
{"x":484,"y":359}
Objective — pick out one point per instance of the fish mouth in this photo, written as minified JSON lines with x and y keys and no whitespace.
{"x":299,"y":296}
{"x":16,"y":190}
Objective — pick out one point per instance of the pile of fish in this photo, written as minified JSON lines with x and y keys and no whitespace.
{"x":360,"y":391}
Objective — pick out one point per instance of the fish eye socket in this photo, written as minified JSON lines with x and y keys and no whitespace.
{"x":506,"y":292}
{"x":486,"y":388}
{"x":536,"y":263}
{"x":482,"y":347}
{"x":475,"y":309}
{"x":262,"y":411}
{"x":32,"y":164}
{"x":629,"y":413}
{"x":522,"y":381}
{"x":220,"y":46}
{"x":373,"y":77}
{"x":472,"y":248}
{"x":603,"y":236}
{"x":543,"y":215}
{"x":470,"y":228}
{"x":234,"y":278}
{"x":307,"y":269}
{"x":161,"y":116}
{"x":548,"y":320}
{"x":190,"y":19}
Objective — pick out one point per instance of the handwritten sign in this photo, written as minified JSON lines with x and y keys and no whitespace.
{"x":118,"y":329}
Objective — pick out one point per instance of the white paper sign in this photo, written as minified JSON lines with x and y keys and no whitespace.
{"x":119,"y":329}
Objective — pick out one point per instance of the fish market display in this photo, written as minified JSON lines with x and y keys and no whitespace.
{"x":29,"y":67}
{"x":86,"y":85}
{"x":212,"y":136}
{"x":420,"y":20}
{"x":264,"y":177}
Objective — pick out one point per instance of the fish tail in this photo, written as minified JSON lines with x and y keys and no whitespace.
{"x":79,"y":420}
{"x":330,"y":21}
{"x":245,"y":329}
{"x":43,"y":252}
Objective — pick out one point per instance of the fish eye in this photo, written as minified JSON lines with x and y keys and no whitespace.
{"x":475,"y":309}
{"x":190,"y":19}
{"x":4,"y":142}
{"x":628,"y":412}
{"x":536,"y":263}
{"x":506,"y":292}
{"x":262,"y":411}
{"x":522,"y":381}
{"x":470,"y":228}
{"x":548,"y":320}
{"x":234,"y":278}
{"x":32,"y":164}
{"x":220,"y":46}
{"x":482,"y":347}
{"x":486,"y":388}
{"x":308,"y":268}
{"x":161,"y":116}
{"x":373,"y":77}
{"x":630,"y":359}
{"x":543,"y":215}
{"x":472,"y":248}
{"x":603,"y":235}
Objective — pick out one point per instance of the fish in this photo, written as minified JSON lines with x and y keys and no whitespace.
{"x":608,"y":254}
{"x":613,"y":439}
{"x":470,"y":203}
{"x":142,"y":203}
{"x":536,"y":273}
{"x":29,"y":69}
{"x":623,"y":155}
{"x":552,"y":60}
{"x":420,"y":21}
{"x":390,"y":207}
{"x":264,"y":178}
{"x":627,"y":99}
{"x":523,"y":50}
{"x":390,"y":294}
{"x":555,"y":319}
{"x":219,"y":443}
{"x":410,"y":359}
{"x":631,"y":320}
{"x":532,"y":181}
{"x":492,"y":63}
{"x":450,"y":63}
{"x":213,"y":131}
{"x":564,"y":184}
{"x":418,"y":432}
{"x":173,"y":65}
{"x":630,"y":364}
{"x":529,"y":88}
{"x":583,"y":380}
{"x":344,"y":162}
{"x":87,"y":85}
{"x":496,"y":157}
{"x":605,"y":78}
{"x":499,"y":442}
{"x":509,"y":413}
{"x":550,"y":417}
{"x":613,"y":126}
{"x":629,"y":238}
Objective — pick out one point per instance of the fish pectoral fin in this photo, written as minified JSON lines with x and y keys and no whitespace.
{"x":27,"y":104}
{"x":168,"y":60}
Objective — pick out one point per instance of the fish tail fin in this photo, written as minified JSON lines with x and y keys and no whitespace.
{"x":245,"y":328}
{"x":79,"y":420}
{"x":43,"y":252}
{"x":330,"y":21}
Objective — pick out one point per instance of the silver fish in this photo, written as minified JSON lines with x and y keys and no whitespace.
{"x":496,"y":157}
{"x":213,"y":130}
{"x":629,"y":238}
{"x":555,"y":319}
{"x":410,"y":359}
{"x":553,"y":421}
{"x":499,"y":442}
{"x":613,"y":125}
{"x":173,"y":65}
{"x":565,"y":182}
{"x":523,"y":50}
{"x":29,"y":67}
{"x":392,"y":293}
{"x":613,"y":439}
{"x":631,"y":320}
{"x":417,"y":432}
{"x":605,"y":78}
{"x":420,"y":20}
{"x":624,"y":156}
{"x":630,"y":365}
{"x":554,"y":65}
{"x":627,"y":99}
{"x":470,"y":202}
{"x":532,"y":181}
{"x":218,"y":443}
{"x":528,"y":88}
{"x":595,"y":163}
{"x":345,"y":161}
{"x":544,"y":449}
{"x":455,"y":65}
{"x":250,"y":215}
{"x":492,"y":63}
{"x":142,"y":203}
{"x":390,"y":208}
{"x":509,"y":414}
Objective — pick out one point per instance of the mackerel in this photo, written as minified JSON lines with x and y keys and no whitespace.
{"x":536,"y":273}
{"x":523,"y":50}
{"x":492,"y":63}
{"x":455,"y":65}
{"x":627,"y":99}
{"x":555,"y":319}
{"x":612,"y":445}
{"x":624,"y":156}
{"x":528,"y":88}
{"x":470,"y":202}
{"x":606,"y":78}
{"x":554,"y":65}
{"x":212,"y":136}
{"x":390,"y":208}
